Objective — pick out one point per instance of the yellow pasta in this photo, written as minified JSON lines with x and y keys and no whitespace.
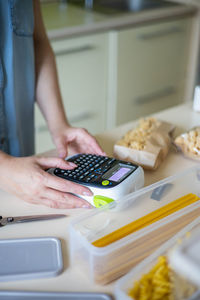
{"x":154,"y":285}
{"x":161,"y":283}
{"x":146,"y":220}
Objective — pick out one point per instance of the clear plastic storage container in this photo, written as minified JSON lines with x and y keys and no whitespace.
{"x":180,"y":288}
{"x":185,"y":259}
{"x":107,"y":242}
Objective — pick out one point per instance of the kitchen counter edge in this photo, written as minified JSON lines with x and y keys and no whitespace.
{"x":124,"y":21}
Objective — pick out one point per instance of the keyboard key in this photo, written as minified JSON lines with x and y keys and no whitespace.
{"x":111,"y":161}
{"x":87,"y":179}
{"x":89,"y":167}
{"x":101,"y":161}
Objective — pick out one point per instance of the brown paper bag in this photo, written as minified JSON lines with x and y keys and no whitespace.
{"x":155,"y":145}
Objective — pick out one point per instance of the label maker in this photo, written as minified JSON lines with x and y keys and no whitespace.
{"x":108,"y":178}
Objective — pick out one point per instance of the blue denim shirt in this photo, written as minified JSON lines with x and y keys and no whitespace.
{"x":17,"y":77}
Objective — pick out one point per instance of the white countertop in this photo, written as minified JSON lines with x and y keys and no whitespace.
{"x":72,"y":279}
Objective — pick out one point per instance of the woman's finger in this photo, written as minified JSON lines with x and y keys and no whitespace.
{"x":58,"y":199}
{"x":55,"y":162}
{"x":64,"y":185}
{"x":91,"y":144}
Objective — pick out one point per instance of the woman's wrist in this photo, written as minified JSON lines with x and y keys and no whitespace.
{"x":5,"y":158}
{"x":57,"y":127}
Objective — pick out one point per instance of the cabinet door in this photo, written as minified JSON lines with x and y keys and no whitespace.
{"x":152,"y":62}
{"x":82,"y":72}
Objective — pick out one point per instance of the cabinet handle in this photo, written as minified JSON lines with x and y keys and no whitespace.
{"x":81,"y":116}
{"x":159,"y":33}
{"x":74,"y":50}
{"x":170,"y":90}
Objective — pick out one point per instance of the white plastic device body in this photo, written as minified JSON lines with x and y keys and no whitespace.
{"x":131,"y":183}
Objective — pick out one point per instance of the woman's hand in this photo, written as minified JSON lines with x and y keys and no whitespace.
{"x":27,"y":179}
{"x":79,"y":140}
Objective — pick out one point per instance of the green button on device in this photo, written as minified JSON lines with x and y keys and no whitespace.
{"x":105,"y":182}
{"x":101,"y":200}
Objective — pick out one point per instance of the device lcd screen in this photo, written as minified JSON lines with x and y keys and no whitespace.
{"x":119,"y":174}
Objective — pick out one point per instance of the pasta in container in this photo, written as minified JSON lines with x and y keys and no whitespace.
{"x":162,"y":283}
{"x":147,"y":144}
{"x":155,"y":284}
{"x":189,"y":143}
{"x":155,"y":278}
{"x":107,"y":243}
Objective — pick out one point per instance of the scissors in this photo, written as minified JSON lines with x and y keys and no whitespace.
{"x":24,"y":219}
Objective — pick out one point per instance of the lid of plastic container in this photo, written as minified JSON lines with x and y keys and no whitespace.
{"x":23,"y":295}
{"x":30,"y":258}
{"x":185,"y":258}
{"x":114,"y":225}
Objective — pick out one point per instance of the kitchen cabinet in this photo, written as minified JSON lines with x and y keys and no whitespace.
{"x":82,"y":72}
{"x":151,"y":70}
{"x":110,"y":78}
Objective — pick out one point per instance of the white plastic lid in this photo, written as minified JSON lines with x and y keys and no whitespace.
{"x":185,"y":259}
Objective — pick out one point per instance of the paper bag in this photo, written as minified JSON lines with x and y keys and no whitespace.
{"x":154,"y":136}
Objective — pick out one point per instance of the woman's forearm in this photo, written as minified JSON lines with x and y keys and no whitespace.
{"x":48,"y":94}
